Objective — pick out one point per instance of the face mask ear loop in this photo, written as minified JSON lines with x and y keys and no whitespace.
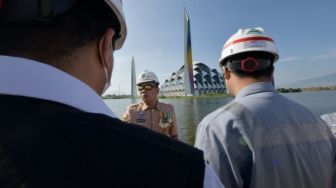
{"x":101,"y":57}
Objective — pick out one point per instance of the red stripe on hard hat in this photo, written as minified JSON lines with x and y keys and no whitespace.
{"x":248,"y":39}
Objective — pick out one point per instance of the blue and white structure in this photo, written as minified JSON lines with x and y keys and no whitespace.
{"x":134,"y":93}
{"x":206,"y":80}
{"x":188,"y":71}
{"x":192,"y":78}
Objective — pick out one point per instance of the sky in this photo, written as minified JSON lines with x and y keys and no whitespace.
{"x":303,"y":30}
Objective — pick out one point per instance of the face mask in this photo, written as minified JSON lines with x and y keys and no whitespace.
{"x":107,"y":83}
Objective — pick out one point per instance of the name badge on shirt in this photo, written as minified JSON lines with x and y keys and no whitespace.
{"x":165,"y":119}
{"x":140,"y":117}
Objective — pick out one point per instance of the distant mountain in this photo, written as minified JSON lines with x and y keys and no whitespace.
{"x":328,"y":80}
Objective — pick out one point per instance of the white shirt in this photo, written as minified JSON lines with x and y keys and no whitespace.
{"x":330,"y":119}
{"x":24,"y":77}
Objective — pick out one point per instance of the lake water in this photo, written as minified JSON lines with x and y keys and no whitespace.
{"x":190,"y":111}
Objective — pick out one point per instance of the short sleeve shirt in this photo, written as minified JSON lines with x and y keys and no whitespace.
{"x":161,"y":118}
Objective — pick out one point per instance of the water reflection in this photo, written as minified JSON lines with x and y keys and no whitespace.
{"x":190,"y":111}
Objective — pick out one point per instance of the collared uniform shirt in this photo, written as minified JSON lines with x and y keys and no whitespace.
{"x":262,"y":139}
{"x":24,"y":77}
{"x":161,"y":119}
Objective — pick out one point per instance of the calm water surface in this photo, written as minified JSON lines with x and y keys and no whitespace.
{"x":190,"y":111}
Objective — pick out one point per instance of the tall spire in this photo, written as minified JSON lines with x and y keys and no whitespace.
{"x":133,"y":81}
{"x":188,"y":66}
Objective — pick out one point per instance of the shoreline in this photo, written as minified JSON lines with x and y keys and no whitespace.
{"x":279,"y":90}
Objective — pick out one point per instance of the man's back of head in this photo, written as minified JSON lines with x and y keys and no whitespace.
{"x":78,"y":37}
{"x":54,"y":37}
{"x":248,"y":57}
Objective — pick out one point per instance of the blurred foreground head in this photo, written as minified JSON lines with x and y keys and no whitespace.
{"x":65,"y":34}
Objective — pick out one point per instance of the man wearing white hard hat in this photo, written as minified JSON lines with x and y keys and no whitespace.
{"x":56,"y":60}
{"x":262,"y":139}
{"x":151,"y":113}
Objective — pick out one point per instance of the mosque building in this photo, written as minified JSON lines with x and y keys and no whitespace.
{"x":205,"y":80}
{"x":196,"y":79}
{"x":193,"y":78}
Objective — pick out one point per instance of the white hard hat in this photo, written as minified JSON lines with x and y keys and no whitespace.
{"x":116,"y":6}
{"x":33,"y":10}
{"x":147,"y":76}
{"x":248,"y":40}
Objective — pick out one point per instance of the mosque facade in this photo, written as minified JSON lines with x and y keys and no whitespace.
{"x":205,"y":80}
{"x":192,"y":78}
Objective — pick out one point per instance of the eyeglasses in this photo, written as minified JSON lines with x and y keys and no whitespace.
{"x":146,"y":87}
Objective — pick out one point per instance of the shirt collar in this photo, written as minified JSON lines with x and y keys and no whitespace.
{"x":255,"y":88}
{"x":145,"y":107}
{"x":24,"y":77}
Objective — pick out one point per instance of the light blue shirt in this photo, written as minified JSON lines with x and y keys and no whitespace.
{"x":262,"y":139}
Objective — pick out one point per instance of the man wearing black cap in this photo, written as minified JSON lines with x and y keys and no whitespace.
{"x":55,"y":131}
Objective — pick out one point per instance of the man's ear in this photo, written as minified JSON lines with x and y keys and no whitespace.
{"x":157,"y":90}
{"x":106,"y":48}
{"x":227,"y":73}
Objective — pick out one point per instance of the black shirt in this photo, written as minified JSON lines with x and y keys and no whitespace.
{"x":48,"y":144}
